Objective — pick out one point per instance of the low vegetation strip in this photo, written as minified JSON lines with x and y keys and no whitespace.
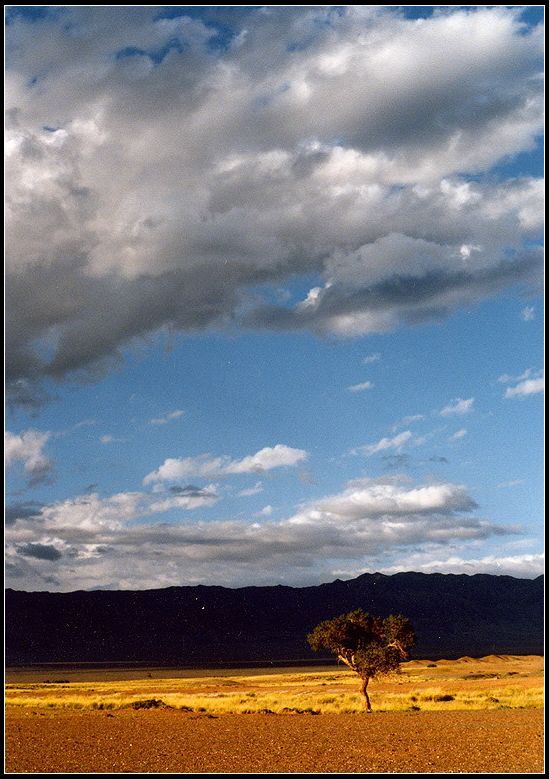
{"x":484,"y":684}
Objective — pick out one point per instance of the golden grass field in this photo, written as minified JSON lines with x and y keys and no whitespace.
{"x":493,"y":682}
{"x":462,"y":716}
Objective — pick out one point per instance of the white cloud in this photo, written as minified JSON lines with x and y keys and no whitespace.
{"x":458,"y":406}
{"x":466,"y":249}
{"x":511,"y":483}
{"x":529,"y":382}
{"x":177,"y":414}
{"x":385,"y":443}
{"x":267,"y":458}
{"x":91,"y":514}
{"x":368,"y":498}
{"x":526,"y":387}
{"x":528,"y":313}
{"x":372,"y":358}
{"x":366,"y":385}
{"x":458,"y":435}
{"x":27,"y":448}
{"x":141,"y":174}
{"x":207,"y":466}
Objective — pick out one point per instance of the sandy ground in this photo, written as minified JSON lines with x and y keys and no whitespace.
{"x":168,"y":741}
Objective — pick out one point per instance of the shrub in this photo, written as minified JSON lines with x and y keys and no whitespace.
{"x":150,"y":703}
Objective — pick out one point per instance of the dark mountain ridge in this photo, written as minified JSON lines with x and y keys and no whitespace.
{"x":454,"y":615}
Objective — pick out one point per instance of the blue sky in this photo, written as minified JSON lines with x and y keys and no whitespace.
{"x":274,"y":306}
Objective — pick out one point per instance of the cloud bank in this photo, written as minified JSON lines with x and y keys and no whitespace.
{"x":370,"y":523}
{"x":76,"y":543}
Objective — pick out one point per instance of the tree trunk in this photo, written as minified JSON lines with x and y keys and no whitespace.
{"x":364,"y":691}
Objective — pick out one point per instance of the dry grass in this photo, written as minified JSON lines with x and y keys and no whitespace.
{"x":493,"y":682}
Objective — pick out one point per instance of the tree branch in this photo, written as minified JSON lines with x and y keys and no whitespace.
{"x":397,"y":645}
{"x":348,"y":661}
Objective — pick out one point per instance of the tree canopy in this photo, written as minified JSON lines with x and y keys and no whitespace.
{"x":367,"y":644}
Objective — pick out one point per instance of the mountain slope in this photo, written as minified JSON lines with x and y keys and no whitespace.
{"x":453,"y":615}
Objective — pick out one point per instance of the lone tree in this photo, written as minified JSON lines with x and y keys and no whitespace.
{"x":369,"y":645}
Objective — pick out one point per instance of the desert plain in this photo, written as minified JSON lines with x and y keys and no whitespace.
{"x":481,"y":715}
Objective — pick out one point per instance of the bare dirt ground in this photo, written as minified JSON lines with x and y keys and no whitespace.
{"x":168,"y":741}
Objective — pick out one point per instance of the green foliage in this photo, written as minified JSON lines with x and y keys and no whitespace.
{"x":369,"y":645}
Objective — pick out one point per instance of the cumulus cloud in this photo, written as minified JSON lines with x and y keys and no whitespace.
{"x":27,"y":448}
{"x":457,"y":407}
{"x":370,"y":519}
{"x":369,"y":498}
{"x":88,"y":514}
{"x":526,"y":387}
{"x":156,"y":177}
{"x":529,"y":382}
{"x":212,"y":467}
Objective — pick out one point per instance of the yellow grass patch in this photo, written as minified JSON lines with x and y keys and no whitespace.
{"x":485,"y":683}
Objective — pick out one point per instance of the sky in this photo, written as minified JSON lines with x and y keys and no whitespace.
{"x":274,"y":294}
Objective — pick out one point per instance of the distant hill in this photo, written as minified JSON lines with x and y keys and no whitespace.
{"x":453,"y":615}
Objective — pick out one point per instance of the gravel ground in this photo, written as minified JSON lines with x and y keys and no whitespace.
{"x":169,"y":741}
